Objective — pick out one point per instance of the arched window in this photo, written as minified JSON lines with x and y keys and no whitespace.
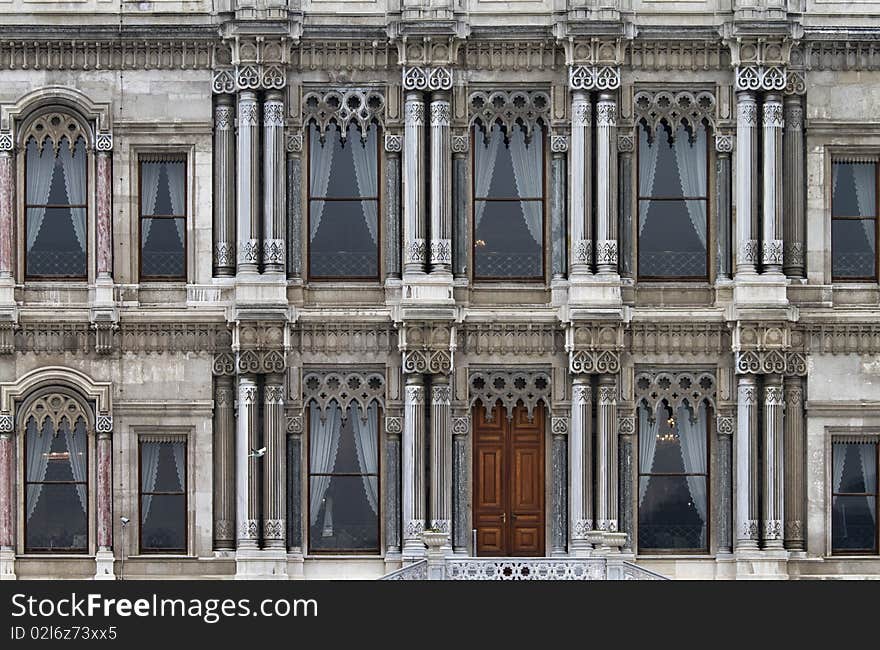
{"x":56,"y":460}
{"x":55,"y":197}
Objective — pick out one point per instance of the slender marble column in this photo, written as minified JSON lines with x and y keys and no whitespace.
{"x":393,"y":427}
{"x":247,"y":183}
{"x":774,"y":462}
{"x":294,"y":490}
{"x":7,"y":210}
{"x":559,"y":486}
{"x":625,"y":479}
{"x":558,"y":181}
{"x":247,"y":487}
{"x":413,"y":468}
{"x":795,"y":463}
{"x":274,"y":462}
{"x":795,"y":188}
{"x":392,"y":206}
{"x":625,"y":147}
{"x":224,"y":186}
{"x":441,"y":190}
{"x":273,"y":182}
{"x":460,"y":206}
{"x":580,"y":450}
{"x":103,"y":214}
{"x":725,"y":483}
{"x":414,"y":234}
{"x":224,"y":463}
{"x":461,"y":533}
{"x":441,"y":455}
{"x":723,"y":147}
{"x":104,"y":500}
{"x":294,"y":207}
{"x":606,"y":185}
{"x":7,"y":534}
{"x":606,"y":453}
{"x":580,"y":197}
{"x":772,"y":173}
{"x":746,"y":449}
{"x":746,"y":178}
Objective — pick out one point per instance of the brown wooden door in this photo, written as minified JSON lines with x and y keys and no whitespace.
{"x":509,"y":482}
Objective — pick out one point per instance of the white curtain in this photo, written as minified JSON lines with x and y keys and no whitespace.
{"x":692,"y":443}
{"x":149,"y":472}
{"x":320,"y":164}
{"x":74,"y":166}
{"x":648,"y":431}
{"x":526,"y":159}
{"x":76,"y":454}
{"x":179,"y":449}
{"x":367,"y":442}
{"x":838,"y":458}
{"x":39,"y":446}
{"x":485,"y":157}
{"x":40,"y":170}
{"x":691,"y":159}
{"x":150,"y":191}
{"x":864,"y":175}
{"x":366,"y":171}
{"x":868,"y":457}
{"x":175,"y":172}
{"x":323,"y":446}
{"x":648,"y":154}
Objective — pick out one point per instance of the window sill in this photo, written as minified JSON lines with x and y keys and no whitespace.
{"x":353,"y":557}
{"x":55,"y":556}
{"x":674,"y":556}
{"x":161,"y":556}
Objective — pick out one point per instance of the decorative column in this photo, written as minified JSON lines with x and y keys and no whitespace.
{"x":393,"y":147}
{"x":625,"y":148}
{"x":580,"y":462}
{"x":441,"y":456}
{"x":247,"y":183}
{"x":393,"y":428}
{"x":7,"y":204}
{"x":413,"y":468}
{"x":224,"y":463}
{"x":294,"y":205}
{"x":606,"y":453}
{"x":723,"y":149}
{"x":606,"y":185}
{"x":558,"y":200}
{"x":7,"y":527}
{"x":746,"y":449}
{"x":441,"y":196}
{"x":626,"y":428}
{"x":746,"y":178}
{"x":247,"y":487}
{"x":414,"y":184}
{"x":274,"y":462}
{"x":774,"y":462}
{"x":461,"y":480}
{"x":104,"y":559}
{"x":559,"y":485}
{"x":460,"y":206}
{"x":273,"y":182}
{"x":795,"y":464}
{"x":580,"y":227}
{"x":224,"y":186}
{"x":794,"y":222}
{"x":294,"y":483}
{"x":724,"y":433}
{"x":104,"y":205}
{"x":772,"y":176}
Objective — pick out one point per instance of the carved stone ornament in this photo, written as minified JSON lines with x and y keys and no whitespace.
{"x":604,"y":362}
{"x":7,"y":424}
{"x":674,"y":109}
{"x":724,"y":143}
{"x":55,"y":128}
{"x":489,"y":386}
{"x":224,"y":81}
{"x":427,"y":78}
{"x":461,"y":425}
{"x":559,"y":143}
{"x":606,"y":251}
{"x":294,"y":143}
{"x":772,"y":251}
{"x":261,"y":362}
{"x":58,"y":409}
{"x":626,"y":424}
{"x":224,"y":364}
{"x":593,"y":77}
{"x":559,"y":425}
{"x":625,"y":143}
{"x":460,"y":143}
{"x":427,"y":362}
{"x":675,"y":389}
{"x":353,"y":389}
{"x":582,"y":251}
{"x":342,"y":107}
{"x":393,"y":143}
{"x":725,"y":425}
{"x":528,"y":109}
{"x":775,"y":362}
{"x":393,"y":425}
{"x":441,"y":251}
{"x":761,"y":77}
{"x":295,"y":425}
{"x":6,"y":141}
{"x":104,"y":142}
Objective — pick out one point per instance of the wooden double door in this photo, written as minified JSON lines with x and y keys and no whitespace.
{"x":508,"y":479}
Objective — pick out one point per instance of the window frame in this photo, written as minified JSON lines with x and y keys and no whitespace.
{"x":380,"y":180}
{"x":25,"y":205}
{"x":378,"y":552}
{"x":844,"y":439}
{"x":710,"y":508}
{"x":476,"y":125}
{"x":169,"y":156}
{"x":142,"y":550}
{"x":836,"y":159}
{"x":638,"y":198}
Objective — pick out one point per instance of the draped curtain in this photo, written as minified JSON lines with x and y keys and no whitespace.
{"x":367,"y":443}
{"x":648,"y":430}
{"x":149,"y":473}
{"x":526,"y":159}
{"x":691,"y":160}
{"x":320,"y":164}
{"x":692,"y":444}
{"x":74,"y":166}
{"x":175,"y":172}
{"x":864,"y":175}
{"x":366,"y":170}
{"x":648,"y":155}
{"x":485,"y":157}
{"x":838,"y":458}
{"x":40,"y":170}
{"x":324,"y":437}
{"x":38,"y":448}
{"x":75,"y":437}
{"x":868,"y":458}
{"x":149,"y":193}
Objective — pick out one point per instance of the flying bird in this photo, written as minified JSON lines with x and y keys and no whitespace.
{"x":257,"y":453}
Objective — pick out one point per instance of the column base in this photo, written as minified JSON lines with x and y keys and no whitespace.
{"x":269,"y":289}
{"x":766,"y":290}
{"x":558,"y":292}
{"x":256,"y":564}
{"x":580,"y":548}
{"x":427,"y":288}
{"x":296,"y":566}
{"x":761,"y":565}
{"x":393,"y":561}
{"x":104,"y":565}
{"x":413,"y":550}
{"x":7,"y":564}
{"x":600,"y":290}
{"x":7,"y":291}
{"x":103,"y":296}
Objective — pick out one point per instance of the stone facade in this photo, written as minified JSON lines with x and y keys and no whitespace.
{"x":233,"y":357}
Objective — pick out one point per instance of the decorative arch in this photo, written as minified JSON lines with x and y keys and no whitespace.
{"x":489,"y":386}
{"x":363,"y":106}
{"x":97,"y":116}
{"x":355,"y":389}
{"x":528,"y":109}
{"x":685,"y":388}
{"x":670,"y":110}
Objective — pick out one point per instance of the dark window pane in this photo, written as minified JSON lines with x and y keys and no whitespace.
{"x":344,"y":239}
{"x":511,"y":168}
{"x":853,"y":189}
{"x":58,"y":520}
{"x":673,"y":169}
{"x":668,"y":515}
{"x":162,"y":247}
{"x":854,"y":523}
{"x":164,"y":522}
{"x":345,"y":518}
{"x":508,"y":241}
{"x":853,"y":243}
{"x":343,"y":169}
{"x":163,"y":187}
{"x":672,"y":239}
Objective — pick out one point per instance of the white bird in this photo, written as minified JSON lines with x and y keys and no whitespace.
{"x":257,"y":453}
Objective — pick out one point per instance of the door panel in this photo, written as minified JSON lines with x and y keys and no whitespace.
{"x":489,"y":472}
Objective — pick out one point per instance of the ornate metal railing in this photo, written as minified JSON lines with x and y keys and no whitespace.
{"x":852,"y":265}
{"x":490,"y":264}
{"x":416,"y":571}
{"x":672,"y":264}
{"x":499,"y":568}
{"x":343,"y":264}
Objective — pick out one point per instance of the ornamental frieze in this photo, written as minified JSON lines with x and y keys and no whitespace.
{"x":685,"y":338}
{"x":594,"y":349}
{"x":427,"y":348}
{"x":521,"y":339}
{"x":339,"y":338}
{"x":513,"y":55}
{"x":776,"y":362}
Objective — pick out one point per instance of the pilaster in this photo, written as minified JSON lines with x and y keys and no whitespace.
{"x":794,"y":183}
{"x":224,"y":186}
{"x":414,"y":230}
{"x":746,"y":178}
{"x":772,"y":122}
{"x":7,"y":526}
{"x":247,"y":492}
{"x":773,"y":463}
{"x":441,"y":458}
{"x":795,"y":465}
{"x":606,"y":184}
{"x":224,"y":463}
{"x":745,"y":478}
{"x":606,"y":453}
{"x":413,"y":468}
{"x":274,"y":463}
{"x":274,"y":183}
{"x":104,"y":559}
{"x":580,"y":463}
{"x":441,"y":195}
{"x":580,"y":198}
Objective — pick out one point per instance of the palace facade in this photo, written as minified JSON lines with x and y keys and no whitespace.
{"x":317,"y":289}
